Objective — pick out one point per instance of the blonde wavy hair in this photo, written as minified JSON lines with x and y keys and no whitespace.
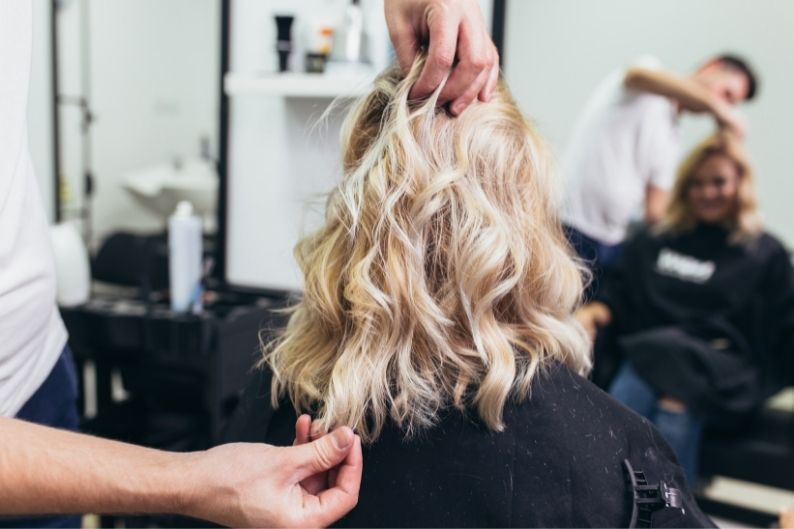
{"x":441,"y":276}
{"x":745,"y":223}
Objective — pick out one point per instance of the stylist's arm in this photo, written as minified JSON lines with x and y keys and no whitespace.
{"x":49,"y":471}
{"x":460,"y":49}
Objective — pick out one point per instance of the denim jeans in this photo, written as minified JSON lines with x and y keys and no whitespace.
{"x":680,"y":429}
{"x":54,"y":404}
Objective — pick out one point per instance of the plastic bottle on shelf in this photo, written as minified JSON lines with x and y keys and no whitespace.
{"x":348,"y":45}
{"x":185,"y":259}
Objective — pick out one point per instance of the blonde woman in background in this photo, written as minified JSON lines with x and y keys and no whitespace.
{"x":437,"y":323}
{"x":703,"y":305}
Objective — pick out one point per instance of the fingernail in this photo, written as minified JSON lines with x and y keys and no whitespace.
{"x":342,"y":438}
{"x":457,"y":108}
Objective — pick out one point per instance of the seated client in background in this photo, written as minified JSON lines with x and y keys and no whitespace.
{"x":437,"y":322}
{"x":703,"y":305}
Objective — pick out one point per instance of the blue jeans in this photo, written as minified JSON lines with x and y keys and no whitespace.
{"x":597,"y":255}
{"x":680,"y":429}
{"x":54,"y":404}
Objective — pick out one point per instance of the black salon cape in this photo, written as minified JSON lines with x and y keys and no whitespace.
{"x":557,"y":463}
{"x":722,"y":342}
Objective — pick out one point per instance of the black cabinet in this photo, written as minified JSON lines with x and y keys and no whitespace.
{"x":182,"y":373}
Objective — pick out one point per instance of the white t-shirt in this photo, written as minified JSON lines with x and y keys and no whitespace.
{"x":624,"y":140}
{"x":32,"y":334}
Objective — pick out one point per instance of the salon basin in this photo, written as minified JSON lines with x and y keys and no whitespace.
{"x":161,"y":187}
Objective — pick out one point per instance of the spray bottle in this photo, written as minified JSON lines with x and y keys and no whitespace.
{"x":185,"y":259}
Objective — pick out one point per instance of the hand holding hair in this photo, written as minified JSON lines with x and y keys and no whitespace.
{"x":729,"y":120}
{"x":262,"y":485}
{"x":461,"y":56}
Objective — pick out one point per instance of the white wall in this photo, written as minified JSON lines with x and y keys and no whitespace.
{"x":558,"y":50}
{"x":153,"y":87}
{"x":155,"y":68}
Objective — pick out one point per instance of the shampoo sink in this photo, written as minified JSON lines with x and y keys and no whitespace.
{"x":161,"y":187}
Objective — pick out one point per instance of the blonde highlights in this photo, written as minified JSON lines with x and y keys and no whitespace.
{"x":441,"y":276}
{"x":745,"y":224}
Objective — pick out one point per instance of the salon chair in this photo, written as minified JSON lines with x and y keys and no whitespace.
{"x":762,"y":453}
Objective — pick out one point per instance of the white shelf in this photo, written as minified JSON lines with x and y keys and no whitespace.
{"x":325,"y":85}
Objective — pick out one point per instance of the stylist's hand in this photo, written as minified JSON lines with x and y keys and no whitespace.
{"x":456,"y":38}
{"x":729,"y":119}
{"x":257,"y":485}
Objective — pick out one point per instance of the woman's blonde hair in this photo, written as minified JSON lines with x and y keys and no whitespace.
{"x":745,"y":223}
{"x":441,"y":276}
